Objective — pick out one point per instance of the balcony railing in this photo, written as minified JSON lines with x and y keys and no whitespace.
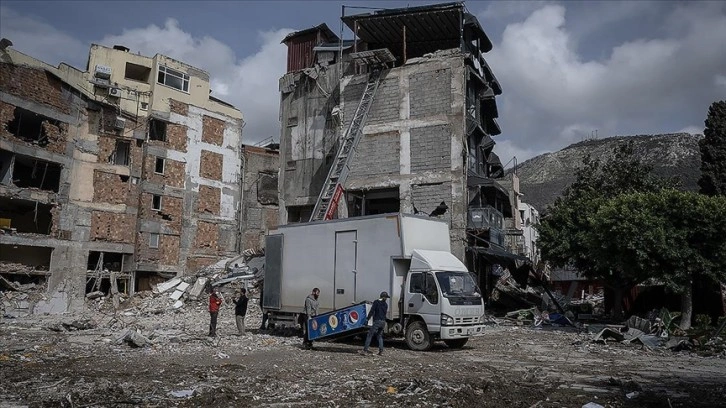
{"x":485,"y":217}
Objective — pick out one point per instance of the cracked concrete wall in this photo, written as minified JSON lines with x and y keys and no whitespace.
{"x":260,"y":196}
{"x":202,"y":182}
{"x":413,"y":140}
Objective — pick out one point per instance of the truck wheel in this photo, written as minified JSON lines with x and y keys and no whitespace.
{"x":417,"y":336}
{"x":456,"y":343}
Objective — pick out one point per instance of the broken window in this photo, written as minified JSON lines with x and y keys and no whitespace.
{"x":7,"y":159}
{"x":24,"y":264}
{"x":300,"y":213}
{"x":153,"y":240}
{"x":137,"y":72}
{"x":267,"y":188}
{"x":156,"y":202}
{"x":144,"y":106}
{"x":120,"y":155}
{"x":28,"y":125}
{"x":26,"y":216}
{"x":159,"y":166}
{"x":157,"y":130}
{"x":28,"y":172}
{"x":373,"y":202}
{"x":173,"y":78}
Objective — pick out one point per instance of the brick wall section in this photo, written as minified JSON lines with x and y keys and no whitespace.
{"x":207,"y":236}
{"x":57,"y":135}
{"x":110,"y":188}
{"x":208,"y":201}
{"x":351,"y":96}
{"x":212,"y":130}
{"x":166,"y":254}
{"x":177,"y":107}
{"x":173,"y":172}
{"x":211,"y":165}
{"x":33,"y":84}
{"x":196,"y":263}
{"x":106,"y":146}
{"x":386,"y":103}
{"x":170,"y":214}
{"x":377,"y":153}
{"x":427,"y":197}
{"x":430,"y":148}
{"x":430,"y":93}
{"x":7,"y":114}
{"x":176,"y":137}
{"x":112,"y":227}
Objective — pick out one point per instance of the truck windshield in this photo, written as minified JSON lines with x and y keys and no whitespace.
{"x":457,"y":284}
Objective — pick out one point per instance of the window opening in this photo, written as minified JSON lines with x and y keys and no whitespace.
{"x":157,"y":130}
{"x":137,"y":72}
{"x":173,"y":78}
{"x":156,"y":202}
{"x":120,"y":155}
{"x":153,"y":240}
{"x":144,"y":106}
{"x":29,"y":126}
{"x":159,"y":167}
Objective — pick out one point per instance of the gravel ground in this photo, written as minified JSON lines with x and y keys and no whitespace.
{"x":42,"y":364}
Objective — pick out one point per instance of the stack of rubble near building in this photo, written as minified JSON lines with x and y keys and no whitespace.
{"x":436,"y":105}
{"x":128,"y":170}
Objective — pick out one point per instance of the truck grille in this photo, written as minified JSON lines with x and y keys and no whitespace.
{"x":465,"y":320}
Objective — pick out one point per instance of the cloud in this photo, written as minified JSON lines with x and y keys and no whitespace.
{"x":251,"y":83}
{"x":41,"y":40}
{"x":694,"y":130}
{"x":553,"y":96}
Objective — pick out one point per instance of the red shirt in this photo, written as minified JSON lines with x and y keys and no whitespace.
{"x":214,"y":303}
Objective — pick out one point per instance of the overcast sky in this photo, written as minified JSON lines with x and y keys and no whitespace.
{"x":567,"y":69}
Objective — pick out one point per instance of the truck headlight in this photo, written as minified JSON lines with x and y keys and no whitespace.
{"x":446,"y":320}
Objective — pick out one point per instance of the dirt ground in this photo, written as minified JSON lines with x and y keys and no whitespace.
{"x":509,"y":366}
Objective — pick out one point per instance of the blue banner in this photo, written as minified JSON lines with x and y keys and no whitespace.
{"x":338,"y":321}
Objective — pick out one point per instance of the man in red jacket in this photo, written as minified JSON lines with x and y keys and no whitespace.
{"x":215,"y":300}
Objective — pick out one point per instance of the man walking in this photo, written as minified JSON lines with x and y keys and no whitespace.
{"x":378,"y":314}
{"x":311,"y":310}
{"x":215,"y":301}
{"x":240,"y":310}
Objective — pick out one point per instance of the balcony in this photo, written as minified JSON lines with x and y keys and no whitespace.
{"x":485,"y":218}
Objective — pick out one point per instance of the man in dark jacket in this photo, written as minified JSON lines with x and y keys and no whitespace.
{"x":240,"y":310}
{"x":215,"y":300}
{"x":378,"y":314}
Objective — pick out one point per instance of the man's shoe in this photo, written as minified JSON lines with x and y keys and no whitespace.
{"x":380,"y":352}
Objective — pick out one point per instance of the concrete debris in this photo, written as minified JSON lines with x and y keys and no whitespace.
{"x":198,"y":288}
{"x":592,"y":405}
{"x":133,"y":338}
{"x":165,"y":286}
{"x":182,"y":393}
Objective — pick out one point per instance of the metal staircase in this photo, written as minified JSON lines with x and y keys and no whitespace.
{"x":329,"y":197}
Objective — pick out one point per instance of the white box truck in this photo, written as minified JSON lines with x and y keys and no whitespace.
{"x":433,"y":295}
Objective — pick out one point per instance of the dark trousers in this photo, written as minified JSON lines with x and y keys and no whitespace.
{"x":306,"y":338}
{"x":213,"y":324}
{"x":264,"y":321}
{"x":376,"y":329}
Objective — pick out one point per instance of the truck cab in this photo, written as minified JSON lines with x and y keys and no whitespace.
{"x":440,"y":301}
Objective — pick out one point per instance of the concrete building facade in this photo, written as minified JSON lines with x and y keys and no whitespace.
{"x":259,"y":210}
{"x":427,"y":143}
{"x":118,"y":175}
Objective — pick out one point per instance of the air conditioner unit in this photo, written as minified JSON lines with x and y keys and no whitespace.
{"x":115,"y":92}
{"x":102,"y":71}
{"x":120,"y":123}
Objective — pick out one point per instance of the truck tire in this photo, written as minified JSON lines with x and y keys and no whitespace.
{"x":456,"y":343}
{"x":417,"y":336}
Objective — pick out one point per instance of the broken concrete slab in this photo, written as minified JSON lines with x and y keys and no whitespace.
{"x":177,"y":294}
{"x":133,"y":338}
{"x":165,"y":286}
{"x":182,"y":286}
{"x":198,"y":288}
{"x":178,"y":304}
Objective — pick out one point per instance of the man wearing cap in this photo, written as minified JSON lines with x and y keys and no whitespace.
{"x":378,"y":314}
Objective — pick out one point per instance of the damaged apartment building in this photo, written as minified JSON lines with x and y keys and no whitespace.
{"x":113,"y":177}
{"x":410,"y":106}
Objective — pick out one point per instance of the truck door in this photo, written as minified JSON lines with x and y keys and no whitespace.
{"x":422,"y":298}
{"x":345,"y":264}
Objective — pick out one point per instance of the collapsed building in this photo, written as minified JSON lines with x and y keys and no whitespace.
{"x":114,"y":177}
{"x":399,"y":119}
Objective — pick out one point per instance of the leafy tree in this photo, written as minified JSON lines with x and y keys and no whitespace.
{"x":713,"y":151}
{"x":564,"y":233}
{"x":671,"y":236}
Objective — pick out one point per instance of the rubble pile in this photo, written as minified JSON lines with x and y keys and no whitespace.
{"x":18,"y":299}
